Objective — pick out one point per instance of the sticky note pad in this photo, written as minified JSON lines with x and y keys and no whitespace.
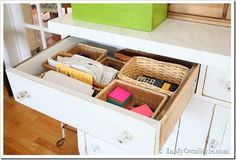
{"x":110,"y":100}
{"x":166,"y":86}
{"x":119,"y":94}
{"x":144,"y":110}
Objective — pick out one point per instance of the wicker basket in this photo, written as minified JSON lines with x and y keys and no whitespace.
{"x":91,"y":52}
{"x":113,"y":63}
{"x":140,"y":96}
{"x":62,"y":54}
{"x":137,"y":66}
{"x":65,"y":54}
{"x":127,"y":54}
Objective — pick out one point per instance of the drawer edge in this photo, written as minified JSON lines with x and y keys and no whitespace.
{"x":178,"y":104}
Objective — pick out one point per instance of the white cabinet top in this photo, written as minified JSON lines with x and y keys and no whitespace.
{"x":195,"y":42}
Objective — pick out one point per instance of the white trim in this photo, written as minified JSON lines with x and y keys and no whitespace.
{"x":43,"y":37}
{"x":59,"y":9}
{"x":15,"y":39}
{"x":35,"y":27}
{"x":6,"y":57}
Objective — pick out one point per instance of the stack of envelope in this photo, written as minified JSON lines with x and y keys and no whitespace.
{"x":102,"y":74}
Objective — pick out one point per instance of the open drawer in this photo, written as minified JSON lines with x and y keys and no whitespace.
{"x":126,"y":130}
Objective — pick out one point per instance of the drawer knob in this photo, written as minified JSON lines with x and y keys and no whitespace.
{"x":124,"y":137}
{"x":214,"y":143}
{"x":96,"y":148}
{"x":228,"y":86}
{"x":22,"y":95}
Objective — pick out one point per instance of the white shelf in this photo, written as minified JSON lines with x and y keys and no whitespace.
{"x":195,"y":42}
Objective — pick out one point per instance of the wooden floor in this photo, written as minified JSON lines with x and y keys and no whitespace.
{"x":28,"y":132}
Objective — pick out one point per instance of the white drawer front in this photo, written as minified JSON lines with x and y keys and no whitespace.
{"x":88,"y":114}
{"x":219,"y":122}
{"x":97,"y":147}
{"x":217,"y":84}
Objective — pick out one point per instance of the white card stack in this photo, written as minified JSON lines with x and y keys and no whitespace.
{"x":102,"y":74}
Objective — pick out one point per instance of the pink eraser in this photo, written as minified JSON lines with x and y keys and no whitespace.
{"x":144,"y":110}
{"x":119,"y":94}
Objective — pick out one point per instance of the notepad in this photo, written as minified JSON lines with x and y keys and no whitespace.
{"x":119,"y":94}
{"x":144,"y":110}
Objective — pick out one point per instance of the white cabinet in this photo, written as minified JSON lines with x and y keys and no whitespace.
{"x":227,"y":142}
{"x":97,"y":147}
{"x":194,"y":127}
{"x":119,"y":131}
{"x":217,"y":84}
{"x":220,"y":121}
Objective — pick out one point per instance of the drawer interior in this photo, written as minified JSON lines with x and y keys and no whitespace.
{"x":170,"y":112}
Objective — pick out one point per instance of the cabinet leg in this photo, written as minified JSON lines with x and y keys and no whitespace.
{"x":82,"y":145}
{"x":61,"y":141}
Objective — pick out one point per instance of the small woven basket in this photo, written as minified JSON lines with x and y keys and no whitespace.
{"x":65,"y":54}
{"x":139,"y":97}
{"x":91,"y":52}
{"x":137,"y":66}
{"x":113,"y":63}
{"x":126,"y":54}
{"x":62,"y":54}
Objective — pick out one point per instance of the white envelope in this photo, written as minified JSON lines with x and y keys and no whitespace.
{"x":108,"y":75}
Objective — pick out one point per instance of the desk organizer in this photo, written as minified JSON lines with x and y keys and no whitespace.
{"x":139,"y":97}
{"x":88,"y":51}
{"x":137,"y":66}
{"x":113,"y":63}
{"x":145,"y":17}
{"x":84,"y":77}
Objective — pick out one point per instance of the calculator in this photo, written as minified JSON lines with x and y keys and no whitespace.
{"x":158,"y":82}
{"x":150,"y":80}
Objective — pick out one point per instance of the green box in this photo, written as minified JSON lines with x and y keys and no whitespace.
{"x":145,"y":17}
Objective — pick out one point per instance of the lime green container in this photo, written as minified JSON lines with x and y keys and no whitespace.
{"x":145,"y":17}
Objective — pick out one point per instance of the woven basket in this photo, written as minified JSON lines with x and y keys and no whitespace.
{"x":127,"y":54}
{"x":91,"y":52}
{"x":65,"y":54}
{"x":137,"y":66}
{"x":139,"y":97}
{"x":113,"y":63}
{"x":62,"y":54}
